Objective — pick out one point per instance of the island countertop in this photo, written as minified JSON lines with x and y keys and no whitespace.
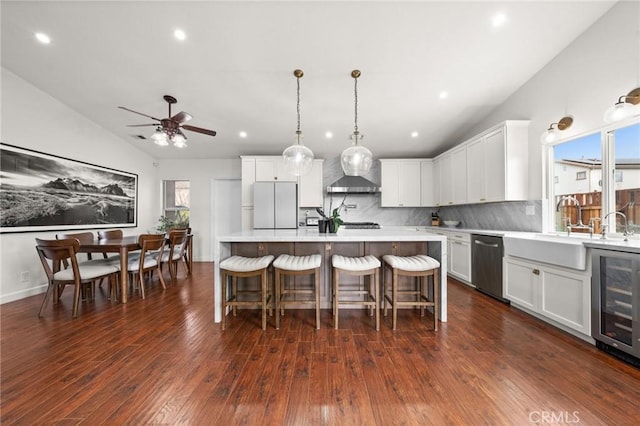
{"x":395,"y":234}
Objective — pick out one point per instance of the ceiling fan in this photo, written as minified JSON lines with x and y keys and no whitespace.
{"x":170,"y":128}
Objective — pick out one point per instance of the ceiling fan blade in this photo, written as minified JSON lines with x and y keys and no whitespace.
{"x":181,"y":117}
{"x":136,"y":112}
{"x":199,"y":130}
{"x":179,"y":132}
{"x":141,"y":125}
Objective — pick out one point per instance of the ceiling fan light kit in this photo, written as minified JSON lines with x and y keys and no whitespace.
{"x":624,"y":108}
{"x":552,"y":134}
{"x":170,"y":129}
{"x":298,"y":159}
{"x":357,"y":159}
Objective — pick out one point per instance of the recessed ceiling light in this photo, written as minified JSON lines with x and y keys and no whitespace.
{"x":243,"y":134}
{"x":179,"y":34}
{"x":328,"y":135}
{"x":414,"y":134}
{"x":444,"y":94}
{"x":499,"y":20}
{"x":43,"y":38}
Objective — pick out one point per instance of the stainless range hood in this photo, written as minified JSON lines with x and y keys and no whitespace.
{"x":352,"y":185}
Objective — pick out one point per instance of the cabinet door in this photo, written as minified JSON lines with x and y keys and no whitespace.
{"x":460,"y":255}
{"x":390,"y":179}
{"x":281,"y":172}
{"x":426,"y":183}
{"x":437,"y":199}
{"x":247,"y":218}
{"x":521,"y":283}
{"x":494,"y":147}
{"x":248,"y":178}
{"x":446,"y":180}
{"x":310,"y":191}
{"x":459,"y":161}
{"x":476,"y":186}
{"x":265,"y":169}
{"x":566,"y":298}
{"x":409,"y":184}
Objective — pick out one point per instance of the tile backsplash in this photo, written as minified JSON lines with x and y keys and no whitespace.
{"x":507,"y":216}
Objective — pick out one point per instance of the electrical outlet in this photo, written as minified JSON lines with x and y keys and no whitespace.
{"x":530,"y":210}
{"x":24,"y":276}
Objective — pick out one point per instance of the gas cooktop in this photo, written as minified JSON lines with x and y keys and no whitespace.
{"x":360,"y":225}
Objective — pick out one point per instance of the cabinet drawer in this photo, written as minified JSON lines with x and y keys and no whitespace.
{"x":460,"y":236}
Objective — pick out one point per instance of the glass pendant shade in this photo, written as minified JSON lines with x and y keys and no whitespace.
{"x":618,"y":112}
{"x":160,"y":137}
{"x":549,"y":135}
{"x":179,"y":141}
{"x":356,"y":160}
{"x":298,"y":159}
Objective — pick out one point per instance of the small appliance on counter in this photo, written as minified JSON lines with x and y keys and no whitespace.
{"x":435,"y":220}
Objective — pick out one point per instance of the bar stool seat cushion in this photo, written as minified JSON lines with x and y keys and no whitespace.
{"x":297,"y":263}
{"x":246,"y":264}
{"x":415,"y":263}
{"x":355,"y":264}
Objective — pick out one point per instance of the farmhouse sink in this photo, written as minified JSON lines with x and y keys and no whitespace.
{"x":568,"y":252}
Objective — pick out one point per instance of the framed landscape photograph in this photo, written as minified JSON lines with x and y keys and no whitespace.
{"x":44,"y":192}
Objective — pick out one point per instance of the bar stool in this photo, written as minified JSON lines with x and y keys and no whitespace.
{"x":419,"y":266}
{"x":288,"y":265}
{"x":361,"y":266}
{"x":244,"y":267}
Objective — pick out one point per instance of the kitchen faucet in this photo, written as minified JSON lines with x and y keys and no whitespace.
{"x":626,"y":231}
{"x":580,"y":224}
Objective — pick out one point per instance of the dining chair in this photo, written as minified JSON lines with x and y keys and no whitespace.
{"x":83,"y":238}
{"x":53,"y":253}
{"x":186,"y":254}
{"x":177,"y":244}
{"x":151,"y":253}
{"x":112,"y":234}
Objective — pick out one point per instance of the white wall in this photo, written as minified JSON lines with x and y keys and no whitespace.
{"x":34,"y":120}
{"x":583,"y":80}
{"x":201,"y":174}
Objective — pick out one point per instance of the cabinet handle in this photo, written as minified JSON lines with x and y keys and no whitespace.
{"x":536,"y":272}
{"x":450,"y":202}
{"x":483,"y":199}
{"x":327,"y":247}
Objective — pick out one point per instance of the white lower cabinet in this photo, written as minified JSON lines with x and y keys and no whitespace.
{"x":460,"y":255}
{"x":559,"y":294}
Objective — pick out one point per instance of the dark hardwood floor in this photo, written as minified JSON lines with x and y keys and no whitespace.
{"x":163,"y":361}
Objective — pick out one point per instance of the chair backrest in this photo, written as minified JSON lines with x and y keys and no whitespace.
{"x":151,"y":243}
{"x":181,"y":229}
{"x":82,"y":237}
{"x":57,"y":252}
{"x":178,"y":241}
{"x":113,"y":234}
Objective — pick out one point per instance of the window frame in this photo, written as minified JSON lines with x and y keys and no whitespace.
{"x":607,"y":147}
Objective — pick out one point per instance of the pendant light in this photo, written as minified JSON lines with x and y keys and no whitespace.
{"x":356,"y":160}
{"x":298,"y":159}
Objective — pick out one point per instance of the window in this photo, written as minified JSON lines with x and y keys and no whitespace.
{"x":606,"y":166}
{"x":176,"y":202}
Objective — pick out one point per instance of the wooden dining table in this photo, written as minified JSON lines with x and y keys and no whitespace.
{"x":121,"y":246}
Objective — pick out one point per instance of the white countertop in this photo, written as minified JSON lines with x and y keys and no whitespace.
{"x":311,"y":234}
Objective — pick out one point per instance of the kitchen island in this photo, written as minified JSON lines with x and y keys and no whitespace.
{"x":349,"y":242}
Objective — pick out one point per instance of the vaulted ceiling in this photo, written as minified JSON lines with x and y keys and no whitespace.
{"x":234,"y":71}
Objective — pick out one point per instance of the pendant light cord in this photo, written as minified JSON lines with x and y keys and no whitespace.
{"x":355,"y":93}
{"x":298,"y":106}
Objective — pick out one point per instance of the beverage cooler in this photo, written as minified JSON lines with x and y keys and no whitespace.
{"x":616,"y":303}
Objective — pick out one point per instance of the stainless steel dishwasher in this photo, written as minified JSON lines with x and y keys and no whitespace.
{"x":486,"y":264}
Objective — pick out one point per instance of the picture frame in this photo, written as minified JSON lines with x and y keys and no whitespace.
{"x":45,"y":192}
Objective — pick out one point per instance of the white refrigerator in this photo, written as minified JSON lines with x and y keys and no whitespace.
{"x":275,"y":205}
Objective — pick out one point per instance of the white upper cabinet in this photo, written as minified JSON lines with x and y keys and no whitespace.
{"x":459,"y":160}
{"x":310,"y":191}
{"x":426,"y":183}
{"x":476,"y":181}
{"x":271,"y":169}
{"x":401,"y":183}
{"x":491,"y":166}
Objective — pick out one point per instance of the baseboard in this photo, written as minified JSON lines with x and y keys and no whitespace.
{"x":22,"y":294}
